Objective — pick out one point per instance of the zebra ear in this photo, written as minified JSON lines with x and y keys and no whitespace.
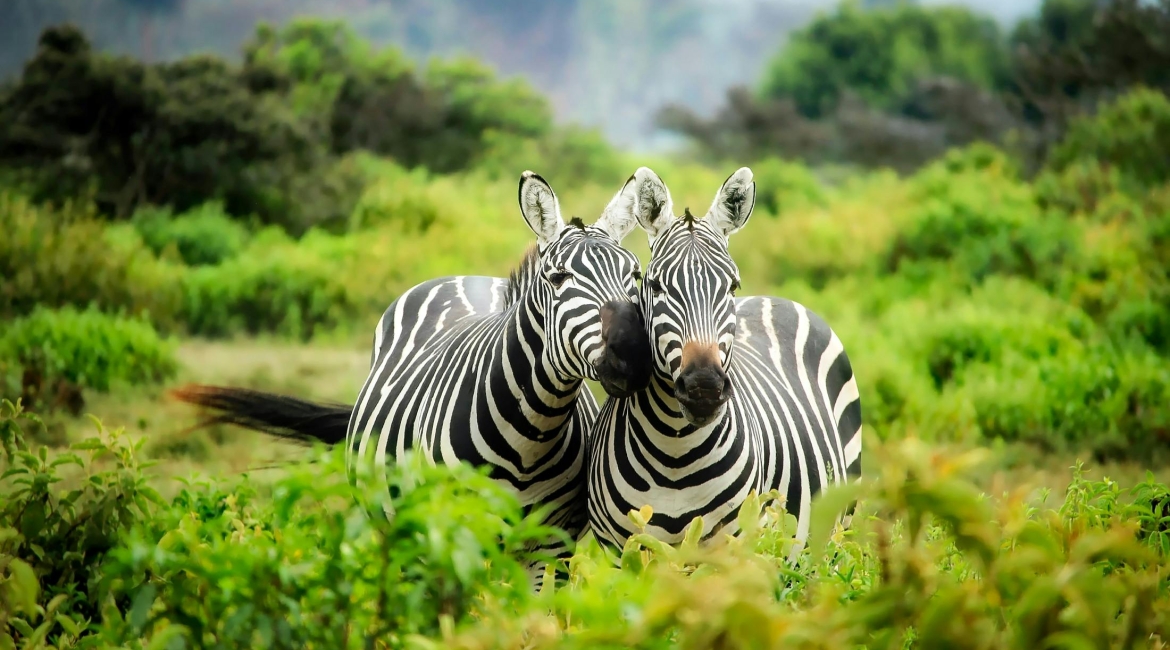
{"x":540,"y":208}
{"x":634,"y":204}
{"x":643,"y":200}
{"x":733,"y":203}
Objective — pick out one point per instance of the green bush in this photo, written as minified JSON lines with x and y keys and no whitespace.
{"x":1130,"y":134}
{"x":398,"y":197}
{"x":785,"y":185}
{"x":86,"y":349}
{"x":201,"y":236}
{"x":54,"y":258}
{"x":928,"y":561}
{"x":980,"y":222}
{"x":1103,"y":400}
{"x":57,"y":528}
{"x":321,"y":565}
{"x":879,"y":54}
{"x":582,"y":155}
{"x":274,"y":286}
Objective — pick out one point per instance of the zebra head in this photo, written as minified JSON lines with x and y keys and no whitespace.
{"x":688,"y":295}
{"x":588,"y":288}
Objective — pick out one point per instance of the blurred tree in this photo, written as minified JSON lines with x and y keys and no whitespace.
{"x":176,"y":134}
{"x":893,"y":86}
{"x":879,"y":54}
{"x":1077,"y":53}
{"x":362,"y":98}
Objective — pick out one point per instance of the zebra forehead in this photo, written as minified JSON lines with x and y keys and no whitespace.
{"x":696,"y":248}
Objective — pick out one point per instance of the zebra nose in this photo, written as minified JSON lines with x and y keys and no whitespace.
{"x":707,"y":385}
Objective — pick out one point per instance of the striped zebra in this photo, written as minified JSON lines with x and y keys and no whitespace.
{"x":490,"y":371}
{"x":752,"y":393}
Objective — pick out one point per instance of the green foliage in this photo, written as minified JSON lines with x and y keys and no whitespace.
{"x":55,"y":258}
{"x":322,"y":564}
{"x":173,"y":133}
{"x":582,"y":155}
{"x":980,"y":220}
{"x":57,"y":527}
{"x":927,"y":561}
{"x":359,"y":98}
{"x":878,"y":54}
{"x":202,"y":236}
{"x":1131,"y":135}
{"x":51,"y":349}
{"x":319,"y":562}
{"x":273,"y":286}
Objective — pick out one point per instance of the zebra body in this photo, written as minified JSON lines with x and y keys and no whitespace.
{"x":489,"y":371}
{"x":748,"y":394}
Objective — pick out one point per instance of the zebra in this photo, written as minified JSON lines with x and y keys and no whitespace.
{"x":488,"y":370}
{"x":749,"y":393}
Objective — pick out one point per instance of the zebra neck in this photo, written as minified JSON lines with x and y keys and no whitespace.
{"x":659,"y":405}
{"x":520,"y":370}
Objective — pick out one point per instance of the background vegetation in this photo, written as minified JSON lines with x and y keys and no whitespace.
{"x":983,"y":217}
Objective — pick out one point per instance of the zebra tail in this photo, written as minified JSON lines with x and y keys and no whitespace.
{"x":280,"y":416}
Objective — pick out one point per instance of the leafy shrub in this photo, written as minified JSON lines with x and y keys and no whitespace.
{"x":784,"y":185}
{"x":927,"y":560}
{"x":1131,"y":134}
{"x":54,"y":258}
{"x":399,"y":197}
{"x":201,"y":236}
{"x":279,"y":287}
{"x":980,"y":222}
{"x":1106,"y":401}
{"x":59,"y":352}
{"x":878,"y":54}
{"x":321,"y":564}
{"x":56,"y":529}
{"x":582,"y":155}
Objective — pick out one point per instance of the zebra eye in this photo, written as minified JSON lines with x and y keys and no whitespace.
{"x":637,"y":275}
{"x":557,"y":278}
{"x":734,"y":286}
{"x":655,"y":285}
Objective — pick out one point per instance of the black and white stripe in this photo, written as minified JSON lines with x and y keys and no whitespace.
{"x":488,"y":371}
{"x":784,"y":415}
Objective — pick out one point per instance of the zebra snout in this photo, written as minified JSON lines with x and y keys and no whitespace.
{"x":703,"y":386}
{"x":708,"y":385}
{"x":623,"y":366}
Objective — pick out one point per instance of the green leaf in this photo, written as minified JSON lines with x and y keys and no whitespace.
{"x":27,"y":586}
{"x":826,"y":509}
{"x":632,"y":556}
{"x":68,"y":624}
{"x":139,"y":610}
{"x":694,"y":534}
{"x":13,"y":471}
{"x":749,"y":514}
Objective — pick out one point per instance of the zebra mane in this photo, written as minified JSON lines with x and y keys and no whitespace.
{"x":520,"y":276}
{"x":576,"y":221}
{"x":688,"y":218}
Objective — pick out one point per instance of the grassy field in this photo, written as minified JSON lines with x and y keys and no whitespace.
{"x":331,"y":372}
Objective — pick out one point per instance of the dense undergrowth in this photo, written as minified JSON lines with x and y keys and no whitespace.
{"x":92,"y":556}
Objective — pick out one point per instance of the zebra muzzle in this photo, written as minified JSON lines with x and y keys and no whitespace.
{"x":625,"y":364}
{"x":703,"y":386}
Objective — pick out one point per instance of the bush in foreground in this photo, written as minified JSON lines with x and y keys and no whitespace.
{"x":929,"y":562}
